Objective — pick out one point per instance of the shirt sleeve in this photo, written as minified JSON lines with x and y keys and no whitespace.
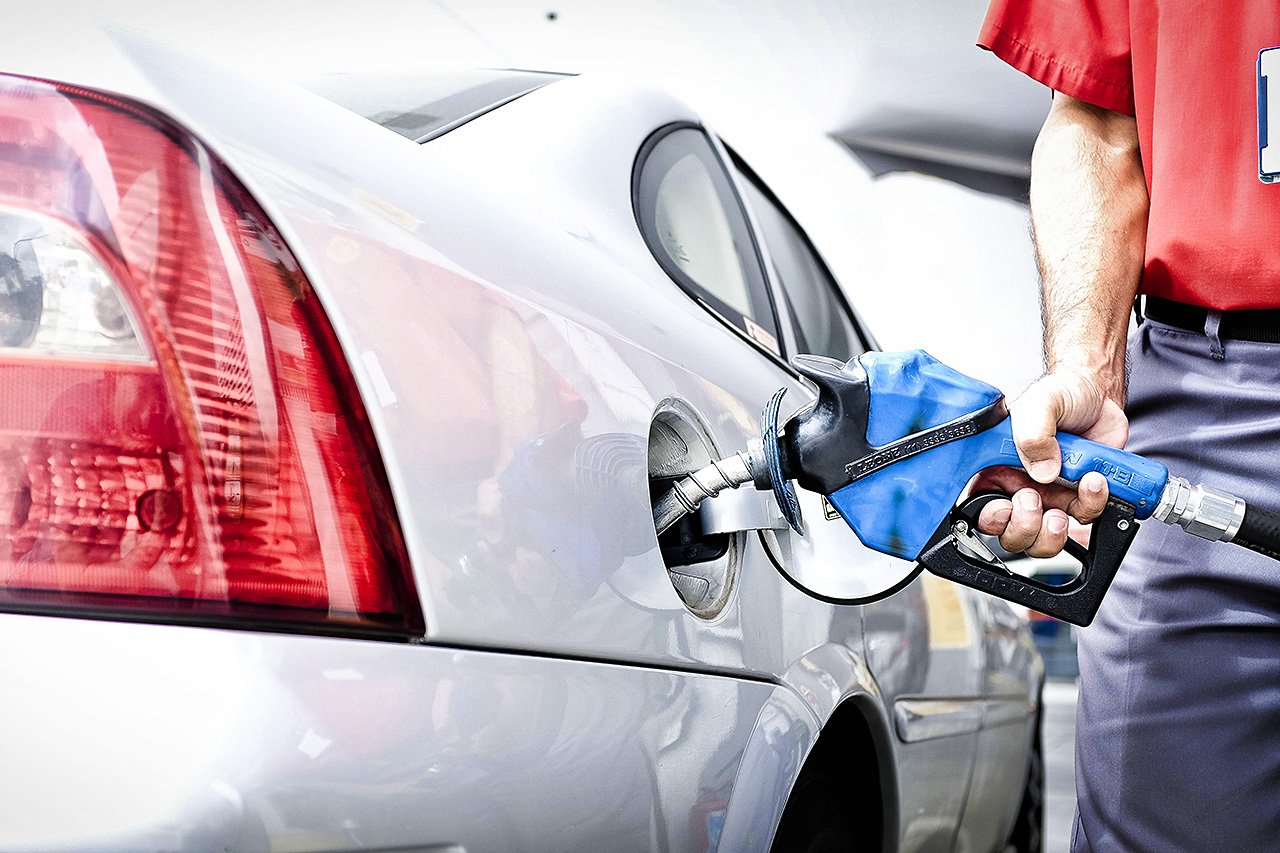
{"x":1077,"y":47}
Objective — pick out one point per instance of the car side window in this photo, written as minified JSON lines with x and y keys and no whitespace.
{"x":821,"y":318}
{"x":694,"y":223}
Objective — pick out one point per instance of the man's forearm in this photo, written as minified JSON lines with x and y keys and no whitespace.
{"x":1089,"y":220}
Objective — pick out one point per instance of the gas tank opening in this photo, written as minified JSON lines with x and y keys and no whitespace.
{"x":701,"y":566}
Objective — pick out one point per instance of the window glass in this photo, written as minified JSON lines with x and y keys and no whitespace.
{"x":823,"y":325}
{"x":694,"y":224}
{"x":694,"y":231}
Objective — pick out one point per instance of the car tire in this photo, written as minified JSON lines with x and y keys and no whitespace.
{"x":1028,"y":828}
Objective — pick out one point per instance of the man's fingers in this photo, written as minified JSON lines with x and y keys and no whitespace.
{"x":1024,"y":521}
{"x":1035,"y":520}
{"x":1052,"y":535}
{"x":994,"y":517}
{"x":1031,"y":528}
{"x":1090,"y":499}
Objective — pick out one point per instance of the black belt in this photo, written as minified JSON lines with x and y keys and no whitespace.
{"x":1254,"y":324}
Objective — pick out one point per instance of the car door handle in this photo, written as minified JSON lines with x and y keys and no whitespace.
{"x":738,"y":510}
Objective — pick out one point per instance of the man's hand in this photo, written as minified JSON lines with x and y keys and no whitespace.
{"x":1035,"y":520}
{"x":1063,"y":401}
{"x":1089,"y":210}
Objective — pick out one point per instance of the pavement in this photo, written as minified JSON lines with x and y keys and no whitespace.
{"x":1059,"y":755}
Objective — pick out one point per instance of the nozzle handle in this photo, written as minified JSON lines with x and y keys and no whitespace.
{"x":1130,"y":478}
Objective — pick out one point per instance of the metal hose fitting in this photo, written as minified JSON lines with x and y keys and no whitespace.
{"x":1208,"y":513}
{"x":685,"y":496}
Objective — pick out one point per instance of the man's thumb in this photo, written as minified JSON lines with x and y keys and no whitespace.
{"x":1035,"y":427}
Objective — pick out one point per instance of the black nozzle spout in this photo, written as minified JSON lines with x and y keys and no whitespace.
{"x":818,"y":441}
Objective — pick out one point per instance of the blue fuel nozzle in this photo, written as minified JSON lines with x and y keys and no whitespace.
{"x":893,"y":440}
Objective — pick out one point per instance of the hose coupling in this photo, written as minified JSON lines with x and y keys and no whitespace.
{"x":1208,"y":513}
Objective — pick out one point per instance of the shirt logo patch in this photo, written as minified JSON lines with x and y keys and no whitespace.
{"x":1269,"y":115}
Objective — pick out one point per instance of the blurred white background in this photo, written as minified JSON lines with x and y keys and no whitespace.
{"x":789,"y":83}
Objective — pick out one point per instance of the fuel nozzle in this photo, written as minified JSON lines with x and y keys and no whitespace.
{"x":825,"y":446}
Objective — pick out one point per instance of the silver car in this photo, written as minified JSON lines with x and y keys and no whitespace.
{"x":331,"y":426}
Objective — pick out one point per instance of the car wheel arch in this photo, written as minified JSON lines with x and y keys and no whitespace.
{"x":848,"y":776}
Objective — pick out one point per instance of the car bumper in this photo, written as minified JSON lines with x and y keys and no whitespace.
{"x":117,"y":736}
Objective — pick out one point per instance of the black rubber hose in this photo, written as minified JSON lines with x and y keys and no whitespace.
{"x":1260,"y":531}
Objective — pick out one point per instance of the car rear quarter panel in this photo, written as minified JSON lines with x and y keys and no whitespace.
{"x":513,"y":337}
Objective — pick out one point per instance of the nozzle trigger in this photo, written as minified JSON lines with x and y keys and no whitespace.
{"x":952,"y":554}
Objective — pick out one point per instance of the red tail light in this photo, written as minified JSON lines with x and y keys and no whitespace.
{"x":180,"y":436}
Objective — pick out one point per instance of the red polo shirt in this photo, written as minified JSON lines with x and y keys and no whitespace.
{"x":1187,"y":71}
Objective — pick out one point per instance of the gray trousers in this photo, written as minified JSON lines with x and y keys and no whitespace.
{"x":1178,"y":726}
